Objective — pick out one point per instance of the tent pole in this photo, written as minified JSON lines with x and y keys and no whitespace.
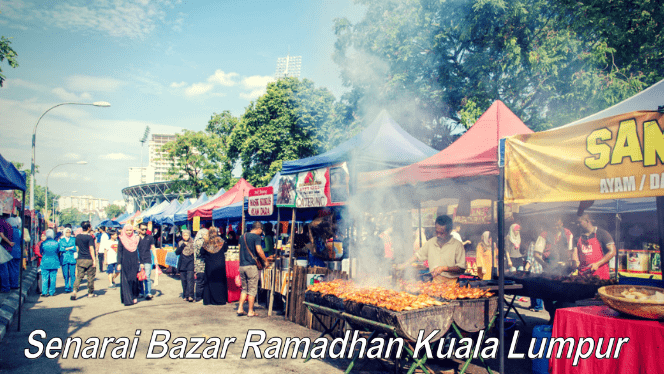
{"x":616,"y":239}
{"x":291,"y":240}
{"x":20,"y":277}
{"x":501,"y":267}
{"x":419,"y":218}
{"x":660,"y":227}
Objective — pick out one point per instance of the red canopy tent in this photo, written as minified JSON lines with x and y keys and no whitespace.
{"x":474,"y":154}
{"x":235,"y":194}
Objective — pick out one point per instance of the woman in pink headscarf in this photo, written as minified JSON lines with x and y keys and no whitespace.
{"x":128,"y":265}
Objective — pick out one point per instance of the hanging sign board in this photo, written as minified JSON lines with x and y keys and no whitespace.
{"x":196,"y":223}
{"x":261,"y":201}
{"x":6,"y":202}
{"x":618,"y":157}
{"x":315,"y":188}
{"x":310,"y":189}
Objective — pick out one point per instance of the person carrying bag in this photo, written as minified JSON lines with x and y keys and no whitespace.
{"x":252,"y":260}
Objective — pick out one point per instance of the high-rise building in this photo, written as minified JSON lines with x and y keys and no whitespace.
{"x":156,"y":162}
{"x":85,"y":204}
{"x":288,"y":66}
{"x":138,"y":175}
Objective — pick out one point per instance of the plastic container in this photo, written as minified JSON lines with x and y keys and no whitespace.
{"x":541,"y":365}
{"x":638,"y":261}
{"x":302,"y":262}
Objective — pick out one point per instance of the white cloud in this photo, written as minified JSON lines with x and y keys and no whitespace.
{"x":221,"y":78}
{"x":25,"y":84}
{"x":253,"y":94}
{"x":69,"y":96}
{"x":178,"y":85}
{"x":198,"y":89}
{"x":257,"y":81}
{"x":90,"y":83}
{"x":116,"y":156}
{"x":117,"y":18}
{"x":71,"y":156}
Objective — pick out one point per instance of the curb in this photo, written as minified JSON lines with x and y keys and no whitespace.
{"x":9,"y":306}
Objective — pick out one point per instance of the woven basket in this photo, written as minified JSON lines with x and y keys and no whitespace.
{"x":640,"y":308}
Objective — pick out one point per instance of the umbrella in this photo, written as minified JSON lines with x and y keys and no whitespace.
{"x":109,"y":223}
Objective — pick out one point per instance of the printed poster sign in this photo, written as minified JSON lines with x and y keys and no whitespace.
{"x":261,"y":201}
{"x":310,"y":189}
{"x":6,"y":202}
{"x":612,"y":158}
{"x":339,"y":181}
{"x":315,"y":188}
{"x":286,"y":190}
{"x":196,"y":223}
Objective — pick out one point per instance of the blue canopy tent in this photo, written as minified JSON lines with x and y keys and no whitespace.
{"x":170,"y":209}
{"x":169,"y":219}
{"x":646,"y":204}
{"x":123,"y":217}
{"x":10,"y":177}
{"x":382,"y":145}
{"x":180,"y":217}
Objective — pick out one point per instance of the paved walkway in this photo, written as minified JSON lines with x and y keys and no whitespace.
{"x":105,"y":316}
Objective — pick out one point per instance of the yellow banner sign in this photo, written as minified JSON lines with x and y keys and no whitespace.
{"x":613,"y":158}
{"x":196,"y":223}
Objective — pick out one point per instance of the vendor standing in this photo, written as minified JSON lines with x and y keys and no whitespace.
{"x":594,"y":249}
{"x":446,"y":256}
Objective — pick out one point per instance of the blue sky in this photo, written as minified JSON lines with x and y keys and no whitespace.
{"x":168,"y":64}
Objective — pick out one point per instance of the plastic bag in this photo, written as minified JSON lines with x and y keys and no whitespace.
{"x":5,"y":256}
{"x":141,"y":276}
{"x":238,"y":281}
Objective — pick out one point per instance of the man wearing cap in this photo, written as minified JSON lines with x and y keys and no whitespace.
{"x":446,"y":255}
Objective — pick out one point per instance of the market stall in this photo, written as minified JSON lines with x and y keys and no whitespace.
{"x":618,"y":157}
{"x":12,"y":179}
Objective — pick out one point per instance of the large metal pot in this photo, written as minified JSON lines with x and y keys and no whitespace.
{"x":333,"y":265}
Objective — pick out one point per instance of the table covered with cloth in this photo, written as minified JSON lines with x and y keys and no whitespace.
{"x":643,"y":353}
{"x":232,"y":270}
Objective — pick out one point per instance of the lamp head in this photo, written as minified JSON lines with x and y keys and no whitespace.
{"x":82,"y":162}
{"x":102,"y":103}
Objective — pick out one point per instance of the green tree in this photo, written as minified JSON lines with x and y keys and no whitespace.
{"x":40,"y":191}
{"x":292,"y":120}
{"x":197,"y":163}
{"x":6,"y":52}
{"x":71,"y":216}
{"x":432,"y":58}
{"x":113,"y":211}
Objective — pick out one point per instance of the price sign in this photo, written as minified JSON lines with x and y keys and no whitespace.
{"x":261,"y":201}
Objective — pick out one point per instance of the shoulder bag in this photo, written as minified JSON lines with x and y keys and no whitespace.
{"x":259,"y":262}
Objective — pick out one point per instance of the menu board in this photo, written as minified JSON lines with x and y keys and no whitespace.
{"x":261,"y":201}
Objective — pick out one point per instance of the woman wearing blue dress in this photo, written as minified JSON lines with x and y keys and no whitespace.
{"x":50,"y":263}
{"x":68,"y":259}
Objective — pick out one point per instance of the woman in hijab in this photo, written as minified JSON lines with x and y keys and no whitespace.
{"x":215,"y":291}
{"x":128,"y":265}
{"x":513,"y":248}
{"x":186,"y":265}
{"x":199,"y":262}
{"x":50,"y":263}
{"x":67,"y":248}
{"x":483,"y":256}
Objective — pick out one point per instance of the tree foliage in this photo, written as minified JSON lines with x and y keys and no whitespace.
{"x":6,"y":52}
{"x":71,"y":216}
{"x":197,"y":163}
{"x":438,"y":58}
{"x":113,"y":211}
{"x":292,"y":120}
{"x":40,"y":191}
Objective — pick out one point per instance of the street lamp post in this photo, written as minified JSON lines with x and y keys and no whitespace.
{"x":49,"y":174}
{"x":34,"y":139}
